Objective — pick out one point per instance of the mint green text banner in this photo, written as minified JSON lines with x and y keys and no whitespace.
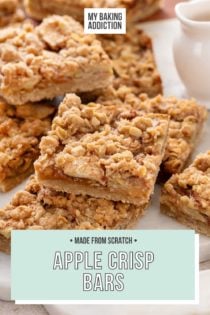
{"x":103,"y":265}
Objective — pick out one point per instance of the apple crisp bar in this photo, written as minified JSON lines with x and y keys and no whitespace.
{"x":56,"y":57}
{"x":41,"y":208}
{"x":186,"y":196}
{"x":133,"y":61}
{"x":103,"y":151}
{"x":10,"y":12}
{"x":21,"y":128}
{"x":136,"y":9}
{"x":186,"y":122}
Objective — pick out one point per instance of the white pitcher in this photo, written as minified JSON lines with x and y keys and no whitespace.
{"x":192,"y":48}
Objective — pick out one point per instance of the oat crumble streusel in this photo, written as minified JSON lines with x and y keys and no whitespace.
{"x":10,"y":12}
{"x":186,"y":120}
{"x":133,"y":61}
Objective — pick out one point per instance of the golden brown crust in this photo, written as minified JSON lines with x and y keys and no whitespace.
{"x":103,"y":149}
{"x":133,"y":61}
{"x":41,"y":208}
{"x":186,"y":196}
{"x":187,"y":119}
{"x":49,"y":60}
{"x":136,"y":9}
{"x":10,"y":12}
{"x":21,"y":129}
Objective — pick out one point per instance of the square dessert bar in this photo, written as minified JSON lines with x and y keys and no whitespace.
{"x":103,"y":151}
{"x":10,"y":12}
{"x":186,"y":196}
{"x":41,"y":208}
{"x":133,"y":61}
{"x":21,"y":129}
{"x":56,"y":57}
{"x":186,"y":121}
{"x":136,"y":9}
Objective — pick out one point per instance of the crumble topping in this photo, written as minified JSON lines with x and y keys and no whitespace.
{"x":52,"y":54}
{"x":187,"y":118}
{"x":10,"y":12}
{"x":39,"y":207}
{"x":21,"y":129}
{"x":133,"y":61}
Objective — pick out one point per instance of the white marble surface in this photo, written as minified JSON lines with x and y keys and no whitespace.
{"x":163,"y":33}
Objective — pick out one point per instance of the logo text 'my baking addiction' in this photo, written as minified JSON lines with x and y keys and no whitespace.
{"x":103,"y":270}
{"x":105,"y":21}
